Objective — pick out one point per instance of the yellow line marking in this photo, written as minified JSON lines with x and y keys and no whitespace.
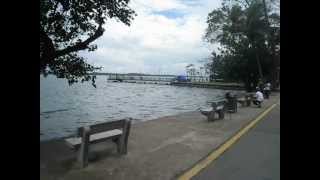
{"x":215,"y":154}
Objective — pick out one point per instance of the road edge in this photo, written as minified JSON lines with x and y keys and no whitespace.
{"x":187,"y":175}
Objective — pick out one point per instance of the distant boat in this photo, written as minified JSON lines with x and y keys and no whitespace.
{"x":181,"y":79}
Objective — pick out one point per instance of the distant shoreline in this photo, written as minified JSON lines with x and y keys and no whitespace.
{"x":224,"y":86}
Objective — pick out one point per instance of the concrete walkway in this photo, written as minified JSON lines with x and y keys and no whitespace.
{"x":158,"y":149}
{"x":255,"y":156}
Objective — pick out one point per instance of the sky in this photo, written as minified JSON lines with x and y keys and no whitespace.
{"x":164,"y":37}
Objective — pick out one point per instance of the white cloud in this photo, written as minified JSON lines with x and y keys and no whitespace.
{"x":155,"y":42}
{"x":157,"y":5}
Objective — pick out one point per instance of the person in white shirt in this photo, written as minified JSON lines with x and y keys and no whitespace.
{"x":267,"y":89}
{"x":259,"y":98}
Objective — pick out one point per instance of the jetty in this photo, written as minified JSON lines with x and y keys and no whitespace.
{"x":213,"y":85}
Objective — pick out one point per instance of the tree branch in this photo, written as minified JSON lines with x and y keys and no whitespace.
{"x":248,"y":4}
{"x":82,"y":45}
{"x":48,"y":47}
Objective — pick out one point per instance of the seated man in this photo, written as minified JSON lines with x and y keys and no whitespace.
{"x":258,"y":98}
{"x":228,"y":95}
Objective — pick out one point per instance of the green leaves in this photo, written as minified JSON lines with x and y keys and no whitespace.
{"x":68,"y":26}
{"x":242,"y":30}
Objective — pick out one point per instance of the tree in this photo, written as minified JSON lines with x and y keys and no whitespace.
{"x":242,"y":29}
{"x":69,"y":26}
{"x":274,"y":38}
{"x":190,"y":70}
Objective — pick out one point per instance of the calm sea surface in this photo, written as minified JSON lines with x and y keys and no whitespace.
{"x":63,"y":108}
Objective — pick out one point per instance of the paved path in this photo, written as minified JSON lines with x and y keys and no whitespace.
{"x":255,"y":156}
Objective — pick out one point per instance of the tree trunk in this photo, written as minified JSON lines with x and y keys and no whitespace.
{"x":274,"y":71}
{"x":259,"y":66}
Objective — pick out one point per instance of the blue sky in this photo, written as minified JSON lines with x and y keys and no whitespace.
{"x":164,"y":38}
{"x":171,"y":14}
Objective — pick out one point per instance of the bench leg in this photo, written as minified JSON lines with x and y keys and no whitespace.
{"x":117,"y":141}
{"x":248,"y":103}
{"x":123,"y":140}
{"x":126,"y":137}
{"x":221,"y":114}
{"x":121,"y":146}
{"x":84,"y":150}
{"x":211,"y":116}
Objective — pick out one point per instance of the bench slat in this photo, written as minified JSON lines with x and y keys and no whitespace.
{"x":208,"y":109}
{"x":94,"y":137}
{"x":97,"y":128}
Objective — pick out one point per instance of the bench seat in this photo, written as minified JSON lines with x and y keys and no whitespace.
{"x":75,"y":142}
{"x":242,"y":101}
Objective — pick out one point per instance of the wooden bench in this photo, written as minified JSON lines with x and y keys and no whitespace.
{"x":117,"y":131}
{"x":217,"y":107}
{"x":231,"y":104}
{"x":242,"y":101}
{"x":246,"y":99}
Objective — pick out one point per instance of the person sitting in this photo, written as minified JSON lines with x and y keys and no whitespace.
{"x":258,"y":98}
{"x":228,"y":95}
